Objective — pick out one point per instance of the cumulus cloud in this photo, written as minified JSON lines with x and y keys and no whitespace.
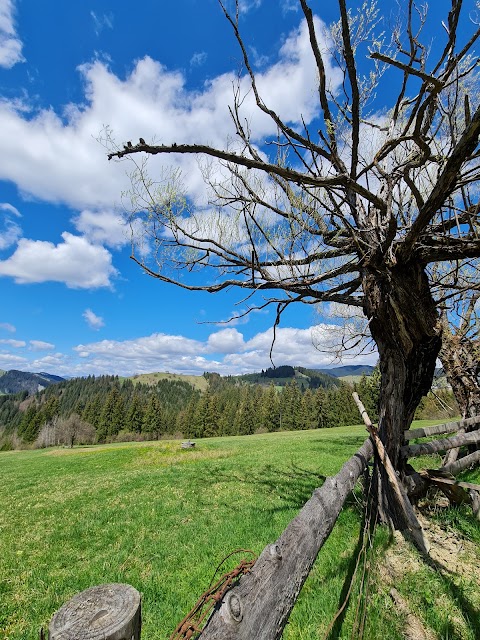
{"x":40,"y":345}
{"x":54,"y":157}
{"x":75,"y":262}
{"x":16,"y":344}
{"x":225,"y":341}
{"x":225,"y":351}
{"x":103,"y":227}
{"x":6,"y":326}
{"x":10,"y":43}
{"x":11,"y":361}
{"x":94,"y":322}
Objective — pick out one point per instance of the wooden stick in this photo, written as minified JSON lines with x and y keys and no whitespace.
{"x":462,"y":464}
{"x":400,"y":493}
{"x":438,"y":429}
{"x":437,"y":446}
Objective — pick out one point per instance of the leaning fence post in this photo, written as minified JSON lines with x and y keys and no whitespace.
{"x":105,"y":612}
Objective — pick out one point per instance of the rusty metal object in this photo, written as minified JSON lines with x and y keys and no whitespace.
{"x":192,"y":624}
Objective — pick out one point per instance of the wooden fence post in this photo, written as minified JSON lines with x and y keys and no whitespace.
{"x":105,"y":612}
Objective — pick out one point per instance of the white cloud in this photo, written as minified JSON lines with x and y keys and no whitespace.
{"x":101,"y":22}
{"x":75,"y":262}
{"x":225,"y":341}
{"x":16,"y":344}
{"x":103,"y":227}
{"x":10,"y":44}
{"x":10,"y":232}
{"x":248,"y":5}
{"x":40,"y":345}
{"x":290,"y":5}
{"x":198,"y":58}
{"x":5,"y":206}
{"x":178,"y":354}
{"x":93,"y":321}
{"x":55,"y":158}
{"x":7,"y":327}
{"x":10,"y":361}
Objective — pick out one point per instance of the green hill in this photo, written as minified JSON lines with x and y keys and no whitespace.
{"x":197,"y":382}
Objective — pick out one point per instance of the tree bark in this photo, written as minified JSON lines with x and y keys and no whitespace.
{"x":438,"y":446}
{"x":439,"y":429}
{"x":460,"y":357}
{"x":460,"y":465}
{"x":461,"y":362}
{"x":405,"y":326}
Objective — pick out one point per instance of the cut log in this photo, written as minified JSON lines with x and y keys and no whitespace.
{"x":259,"y":605}
{"x":438,"y":446}
{"x":105,"y":612}
{"x":413,"y":524}
{"x":452,"y":454}
{"x":439,"y":429}
{"x":464,"y":463}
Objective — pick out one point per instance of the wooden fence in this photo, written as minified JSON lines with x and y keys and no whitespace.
{"x":258,"y":605}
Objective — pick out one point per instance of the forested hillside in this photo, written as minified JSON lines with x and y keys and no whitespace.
{"x":14,"y":381}
{"x":108,"y":408}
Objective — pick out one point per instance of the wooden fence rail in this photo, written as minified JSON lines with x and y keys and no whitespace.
{"x":259,"y":605}
{"x":437,"y":446}
{"x":439,"y":429}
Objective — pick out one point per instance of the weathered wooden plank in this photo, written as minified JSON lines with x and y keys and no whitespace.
{"x":259,"y":605}
{"x":437,"y":446}
{"x":429,"y":474}
{"x":413,"y":524}
{"x":463,"y":463}
{"x":439,"y":429}
{"x":105,"y":612}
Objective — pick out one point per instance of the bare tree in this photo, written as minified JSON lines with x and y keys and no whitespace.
{"x":350,"y":208}
{"x":74,"y":430}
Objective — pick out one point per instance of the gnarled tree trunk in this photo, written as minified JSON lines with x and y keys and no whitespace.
{"x":460,"y":358}
{"x":461,"y":362}
{"x":405,"y":326}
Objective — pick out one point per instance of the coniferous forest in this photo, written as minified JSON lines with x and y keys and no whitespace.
{"x":108,"y":408}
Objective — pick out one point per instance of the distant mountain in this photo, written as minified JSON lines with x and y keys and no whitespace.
{"x":14,"y":381}
{"x":349,"y":370}
{"x":285,"y":374}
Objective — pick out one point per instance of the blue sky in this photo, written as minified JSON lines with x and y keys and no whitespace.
{"x":73,"y":303}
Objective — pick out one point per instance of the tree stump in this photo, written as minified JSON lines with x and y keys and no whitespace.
{"x":105,"y":612}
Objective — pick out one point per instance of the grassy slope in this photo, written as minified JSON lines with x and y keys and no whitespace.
{"x":161,"y":518}
{"x":199,"y":382}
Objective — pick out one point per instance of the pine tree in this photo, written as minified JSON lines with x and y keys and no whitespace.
{"x":135,"y":413}
{"x":270,"y":411}
{"x":154,"y":419}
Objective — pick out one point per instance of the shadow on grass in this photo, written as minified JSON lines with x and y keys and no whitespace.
{"x":470,"y":614}
{"x":294,"y":486}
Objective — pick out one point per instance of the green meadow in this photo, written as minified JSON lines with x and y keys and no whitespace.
{"x":161,"y":518}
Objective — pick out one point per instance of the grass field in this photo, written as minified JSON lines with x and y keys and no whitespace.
{"x":198,"y":382}
{"x":161,"y":518}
